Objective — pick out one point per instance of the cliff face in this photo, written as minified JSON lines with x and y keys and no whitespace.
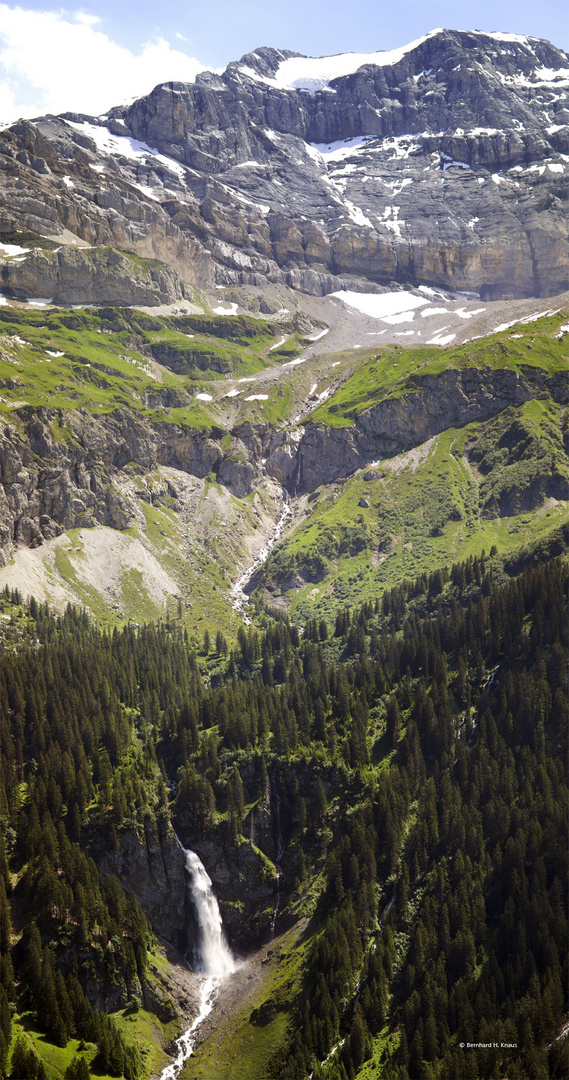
{"x":58,"y":474}
{"x":96,"y":276}
{"x":443,"y":164}
{"x":62,"y":471}
{"x":430,"y":405}
{"x":151,"y":865}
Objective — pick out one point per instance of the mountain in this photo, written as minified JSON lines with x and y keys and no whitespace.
{"x":284,"y":523}
{"x":442,"y":164}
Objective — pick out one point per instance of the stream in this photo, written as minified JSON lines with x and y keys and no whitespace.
{"x":239,"y":598}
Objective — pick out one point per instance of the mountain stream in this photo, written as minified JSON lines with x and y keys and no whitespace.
{"x":213,"y":958}
{"x":239,"y":597}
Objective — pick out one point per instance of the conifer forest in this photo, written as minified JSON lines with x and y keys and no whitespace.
{"x":418,"y":748}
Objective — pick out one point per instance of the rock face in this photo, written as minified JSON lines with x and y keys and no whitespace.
{"x":95,"y":276}
{"x":430,"y":405}
{"x":152,"y":867}
{"x":49,"y":483}
{"x":441,"y":164}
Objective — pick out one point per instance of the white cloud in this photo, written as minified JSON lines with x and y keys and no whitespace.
{"x":54,"y":62}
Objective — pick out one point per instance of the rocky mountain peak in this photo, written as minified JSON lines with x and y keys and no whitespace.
{"x":443,"y":163}
{"x":264,"y":61}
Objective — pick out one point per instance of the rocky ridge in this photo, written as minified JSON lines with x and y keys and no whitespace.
{"x":442,"y":164}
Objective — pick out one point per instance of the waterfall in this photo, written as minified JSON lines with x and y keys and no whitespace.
{"x":212,"y":955}
{"x":297,"y":473}
{"x":388,"y":907}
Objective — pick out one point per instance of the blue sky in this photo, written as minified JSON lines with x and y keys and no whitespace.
{"x":222,"y":31}
{"x":87,"y":58}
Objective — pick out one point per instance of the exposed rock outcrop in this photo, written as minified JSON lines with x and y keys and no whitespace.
{"x":59,"y":472}
{"x":441,"y":164}
{"x":320,"y":454}
{"x":151,"y":865}
{"x":71,"y":275}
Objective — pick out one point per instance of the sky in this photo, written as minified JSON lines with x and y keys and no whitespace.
{"x":106,"y":52}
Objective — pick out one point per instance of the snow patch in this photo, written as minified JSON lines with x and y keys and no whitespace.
{"x":316,"y":337}
{"x":463,"y":314}
{"x":257,"y":397}
{"x":337,"y":151}
{"x":441,"y":340}
{"x":316,"y":73}
{"x":149,"y":192}
{"x":432,"y":292}
{"x":525,"y":321}
{"x":124,"y":146}
{"x":498,"y":36}
{"x":204,"y":397}
{"x":222,"y":309}
{"x":449,"y":163}
{"x":357,"y":215}
{"x":9,"y":250}
{"x":380,"y":305}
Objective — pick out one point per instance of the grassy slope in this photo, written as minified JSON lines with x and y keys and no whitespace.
{"x":247,"y":1036}
{"x":426,"y":510}
{"x":107,"y":361}
{"x":138,"y":1026}
{"x":346,"y":552}
{"x":387,"y":373}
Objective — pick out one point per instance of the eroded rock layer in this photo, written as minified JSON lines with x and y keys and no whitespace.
{"x":445,"y":163}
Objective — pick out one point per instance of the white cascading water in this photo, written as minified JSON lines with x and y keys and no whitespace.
{"x":214,"y":959}
{"x":239,"y":598}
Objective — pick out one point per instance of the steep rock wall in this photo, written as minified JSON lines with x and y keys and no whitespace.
{"x":445,"y":166}
{"x":60,"y":471}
